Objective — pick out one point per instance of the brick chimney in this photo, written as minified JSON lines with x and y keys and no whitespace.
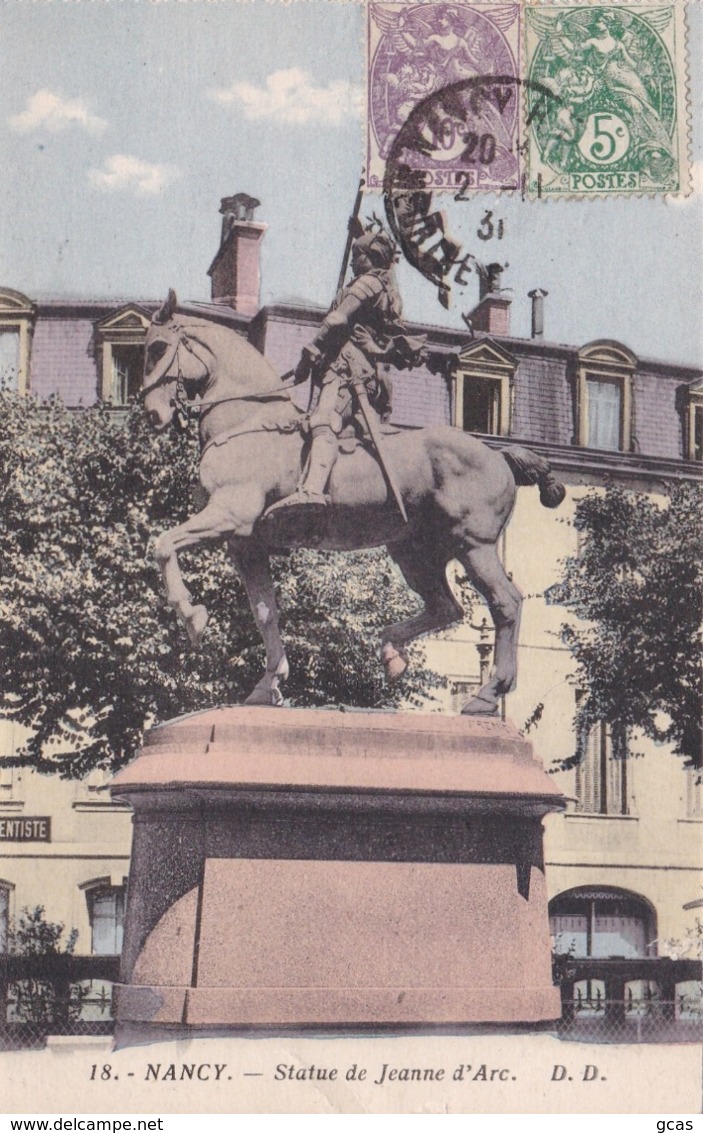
{"x":491,"y":315}
{"x":235,"y":271}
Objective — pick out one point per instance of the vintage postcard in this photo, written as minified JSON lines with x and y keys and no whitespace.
{"x":352,"y":397}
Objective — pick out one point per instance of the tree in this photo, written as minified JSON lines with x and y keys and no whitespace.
{"x":92,"y":653}
{"x":44,"y":1000}
{"x":636,"y":585}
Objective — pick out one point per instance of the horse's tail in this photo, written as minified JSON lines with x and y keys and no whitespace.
{"x":528,"y":467}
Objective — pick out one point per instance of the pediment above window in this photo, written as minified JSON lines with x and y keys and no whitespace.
{"x":694,"y":391}
{"x":15,"y":303}
{"x":607,"y":353}
{"x":691,"y":402}
{"x":130,"y":318}
{"x":483,"y":354}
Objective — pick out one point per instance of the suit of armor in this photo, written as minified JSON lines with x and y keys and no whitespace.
{"x":361,"y":328}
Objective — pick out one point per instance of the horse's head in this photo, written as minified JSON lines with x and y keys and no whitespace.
{"x":177,"y":364}
{"x":189,"y":355}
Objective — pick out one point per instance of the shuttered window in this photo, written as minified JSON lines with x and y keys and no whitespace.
{"x":601,"y":777}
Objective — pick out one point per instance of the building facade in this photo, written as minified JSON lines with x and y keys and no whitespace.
{"x":623,"y":861}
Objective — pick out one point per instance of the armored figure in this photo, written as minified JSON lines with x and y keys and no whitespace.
{"x":361,"y":330}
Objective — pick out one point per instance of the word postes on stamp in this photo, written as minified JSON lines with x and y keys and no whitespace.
{"x":469,"y":139}
{"x":618,"y":123}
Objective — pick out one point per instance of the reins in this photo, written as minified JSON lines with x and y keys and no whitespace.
{"x":188,"y":406}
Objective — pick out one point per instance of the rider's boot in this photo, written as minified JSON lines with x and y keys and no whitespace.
{"x":321,"y":461}
{"x":315,"y":478}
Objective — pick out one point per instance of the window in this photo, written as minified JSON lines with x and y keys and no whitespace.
{"x":4,"y":915}
{"x":106,"y":912}
{"x":694,"y":793}
{"x":604,"y":413}
{"x":460,"y":693}
{"x":481,"y":406}
{"x":601,"y":777}
{"x":604,"y":922}
{"x":697,"y":433}
{"x":604,"y":397}
{"x":92,"y":793}
{"x":483,"y":389}
{"x":10,"y":777}
{"x":127,"y":372}
{"x":9,"y":358}
{"x":120,"y":342}
{"x":17,"y":315}
{"x":693,"y":421}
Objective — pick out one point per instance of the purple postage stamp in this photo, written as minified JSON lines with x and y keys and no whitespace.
{"x":453,"y":69}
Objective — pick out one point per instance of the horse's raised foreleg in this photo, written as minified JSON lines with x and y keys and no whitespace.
{"x":220,"y":517}
{"x":426,"y":574}
{"x":252,"y":563}
{"x":486,"y":572}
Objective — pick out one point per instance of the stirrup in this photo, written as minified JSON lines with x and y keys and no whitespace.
{"x":299,"y":498}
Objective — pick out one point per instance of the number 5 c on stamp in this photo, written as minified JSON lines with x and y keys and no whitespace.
{"x":618,"y":122}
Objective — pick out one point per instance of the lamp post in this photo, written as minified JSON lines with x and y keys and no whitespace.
{"x":484,"y":648}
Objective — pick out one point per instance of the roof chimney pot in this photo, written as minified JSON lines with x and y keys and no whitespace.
{"x":537,"y":296}
{"x":491,"y":315}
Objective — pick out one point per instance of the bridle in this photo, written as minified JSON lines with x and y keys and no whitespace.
{"x":185,"y":408}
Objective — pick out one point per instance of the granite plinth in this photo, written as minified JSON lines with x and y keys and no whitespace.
{"x":298,"y":868}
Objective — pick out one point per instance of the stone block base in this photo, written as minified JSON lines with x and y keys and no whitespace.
{"x":312,"y":868}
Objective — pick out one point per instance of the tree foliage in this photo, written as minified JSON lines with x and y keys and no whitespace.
{"x":43,"y":1000}
{"x":636,"y":586}
{"x":34,"y":935}
{"x":91,"y":652}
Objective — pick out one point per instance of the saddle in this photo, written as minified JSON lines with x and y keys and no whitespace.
{"x":352,"y":436}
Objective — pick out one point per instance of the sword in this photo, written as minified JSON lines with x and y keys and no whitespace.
{"x":371,"y":423}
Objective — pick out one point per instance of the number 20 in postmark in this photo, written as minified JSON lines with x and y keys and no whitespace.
{"x":618,"y":121}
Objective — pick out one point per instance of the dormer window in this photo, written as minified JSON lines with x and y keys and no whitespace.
{"x":17,"y":315}
{"x":693,"y":421}
{"x":120,"y":343}
{"x":483,"y":383}
{"x":604,"y":397}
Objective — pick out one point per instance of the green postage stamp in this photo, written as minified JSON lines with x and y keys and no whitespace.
{"x":606,"y":100}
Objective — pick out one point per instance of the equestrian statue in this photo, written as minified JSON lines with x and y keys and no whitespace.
{"x":339,"y":476}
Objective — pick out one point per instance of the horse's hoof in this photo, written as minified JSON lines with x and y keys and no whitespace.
{"x":477,"y":706}
{"x":265,"y":698}
{"x":394,"y":660}
{"x":195,"y":624}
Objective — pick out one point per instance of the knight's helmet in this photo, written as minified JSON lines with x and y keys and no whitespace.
{"x":378,"y":246}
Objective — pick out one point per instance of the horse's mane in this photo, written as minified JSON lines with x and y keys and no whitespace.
{"x":243,"y":359}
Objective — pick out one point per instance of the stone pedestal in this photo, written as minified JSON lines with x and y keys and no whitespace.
{"x":297,"y":868}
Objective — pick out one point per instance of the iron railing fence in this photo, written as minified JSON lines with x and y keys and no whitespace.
{"x":600,"y":1020}
{"x":72,"y":995}
{"x":55,"y":995}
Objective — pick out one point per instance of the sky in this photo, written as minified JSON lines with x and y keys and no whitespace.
{"x":123,"y":123}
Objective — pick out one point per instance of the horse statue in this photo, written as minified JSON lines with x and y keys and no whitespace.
{"x":458,"y":496}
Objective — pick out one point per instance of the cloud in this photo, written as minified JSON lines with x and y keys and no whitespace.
{"x":55,"y":113}
{"x":291,"y":96}
{"x":122,"y":171}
